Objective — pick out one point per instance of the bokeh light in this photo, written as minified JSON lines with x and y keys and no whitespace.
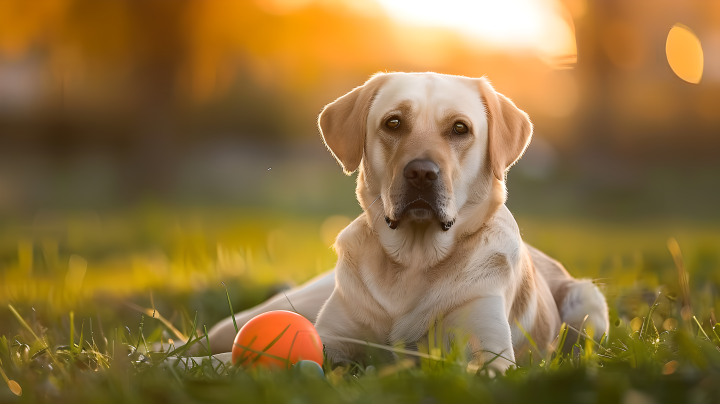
{"x":684,"y":53}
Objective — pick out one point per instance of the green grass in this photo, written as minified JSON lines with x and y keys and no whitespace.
{"x":73,"y":292}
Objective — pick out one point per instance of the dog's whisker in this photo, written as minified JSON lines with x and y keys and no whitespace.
{"x":373,"y":202}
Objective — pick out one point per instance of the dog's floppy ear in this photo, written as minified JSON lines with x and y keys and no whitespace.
{"x":509,"y":129}
{"x":343,"y":123}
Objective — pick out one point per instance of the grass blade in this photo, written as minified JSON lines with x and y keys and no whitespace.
{"x":208,"y":343}
{"x":384,"y":347}
{"x":82,"y":335}
{"x":555,"y":363}
{"x":701,"y":328}
{"x":529,"y":338}
{"x":291,"y":305}
{"x":272,"y":343}
{"x":259,"y":353}
{"x":242,"y":355}
{"x":162,"y":319}
{"x":140,"y":332}
{"x":27,"y":327}
{"x":194,"y":326}
{"x":179,"y":351}
{"x":232,"y":313}
{"x":291,"y":348}
{"x":72,"y":331}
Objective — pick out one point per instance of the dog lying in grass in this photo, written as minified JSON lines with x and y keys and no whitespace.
{"x":436,"y":247}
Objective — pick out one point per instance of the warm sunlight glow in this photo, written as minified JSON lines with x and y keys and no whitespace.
{"x":519,"y":24}
{"x":684,"y":53}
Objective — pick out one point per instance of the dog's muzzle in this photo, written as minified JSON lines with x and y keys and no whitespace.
{"x":420,"y":199}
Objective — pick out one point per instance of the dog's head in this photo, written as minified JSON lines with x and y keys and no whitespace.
{"x":426,"y":144}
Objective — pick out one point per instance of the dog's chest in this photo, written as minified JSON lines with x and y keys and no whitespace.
{"x":397,"y":290}
{"x":414,"y":297}
{"x":405,"y":292}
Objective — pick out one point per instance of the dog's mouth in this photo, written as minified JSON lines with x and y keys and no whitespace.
{"x":418,"y":211}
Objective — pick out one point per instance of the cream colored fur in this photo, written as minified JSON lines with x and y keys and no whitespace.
{"x":478,"y":278}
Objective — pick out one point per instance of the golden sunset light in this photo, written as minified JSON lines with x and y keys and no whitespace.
{"x":536,"y":25}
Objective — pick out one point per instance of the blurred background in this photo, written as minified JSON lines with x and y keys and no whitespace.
{"x":164,"y":146}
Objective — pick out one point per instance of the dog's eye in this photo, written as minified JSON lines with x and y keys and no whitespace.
{"x":393,"y":123}
{"x":460,"y":128}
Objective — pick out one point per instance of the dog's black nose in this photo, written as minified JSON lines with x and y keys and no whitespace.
{"x":421,"y":173}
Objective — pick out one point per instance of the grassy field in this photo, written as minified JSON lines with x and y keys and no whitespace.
{"x":71,"y":286}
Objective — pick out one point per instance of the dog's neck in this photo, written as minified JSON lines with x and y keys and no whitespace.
{"x":422,"y":246}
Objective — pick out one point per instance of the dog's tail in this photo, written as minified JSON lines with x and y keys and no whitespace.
{"x":582,"y":298}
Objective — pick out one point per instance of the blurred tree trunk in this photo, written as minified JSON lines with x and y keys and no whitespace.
{"x":160,"y":36}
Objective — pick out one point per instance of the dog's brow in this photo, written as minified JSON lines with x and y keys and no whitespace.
{"x":450,"y":116}
{"x":403,"y":108}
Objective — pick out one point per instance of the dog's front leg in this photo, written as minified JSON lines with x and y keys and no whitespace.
{"x":335,"y":323}
{"x":484,"y":323}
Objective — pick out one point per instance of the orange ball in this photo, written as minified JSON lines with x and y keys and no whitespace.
{"x":296,"y":337}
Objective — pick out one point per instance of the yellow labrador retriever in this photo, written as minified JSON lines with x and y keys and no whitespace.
{"x":436,"y":242}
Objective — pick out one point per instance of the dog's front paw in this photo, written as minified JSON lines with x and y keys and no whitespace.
{"x":491,"y":367}
{"x":336,"y":357}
